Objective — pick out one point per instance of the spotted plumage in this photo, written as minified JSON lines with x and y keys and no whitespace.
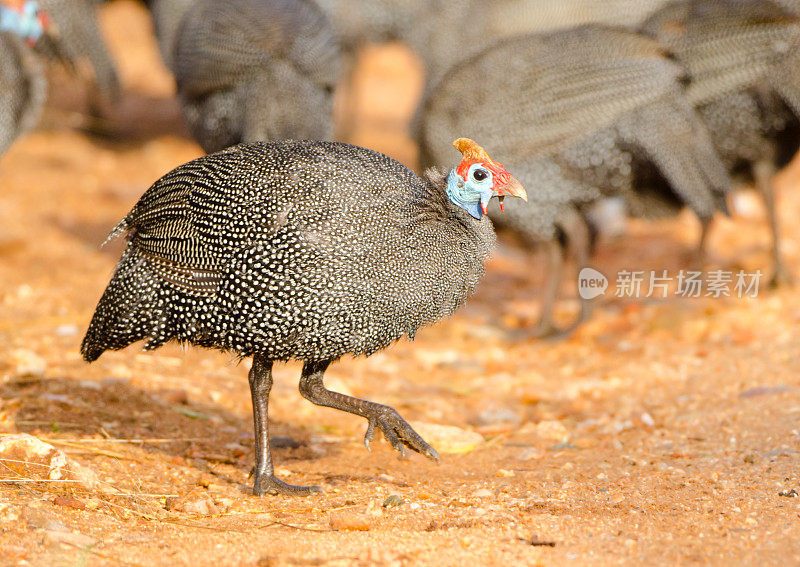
{"x":250,"y":70}
{"x":80,"y":38}
{"x":294,"y":250}
{"x":742,"y":59}
{"x":25,"y":35}
{"x":580,"y":115}
{"x":167,"y":18}
{"x":514,"y":17}
{"x":23,"y":89}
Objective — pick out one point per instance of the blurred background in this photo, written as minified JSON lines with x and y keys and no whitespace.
{"x":662,"y":428}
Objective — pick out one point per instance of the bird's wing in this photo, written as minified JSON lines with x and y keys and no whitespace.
{"x":221,"y":42}
{"x":674,"y":138}
{"x":786,"y":80}
{"x":184,"y":221}
{"x":167,"y":18}
{"x":725,"y":46}
{"x":542,"y":93}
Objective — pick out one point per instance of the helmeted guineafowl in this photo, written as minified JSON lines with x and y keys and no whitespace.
{"x":81,"y":38}
{"x":791,"y":5}
{"x":300,"y":250}
{"x":167,"y":18}
{"x":23,"y":86}
{"x":743,"y":63}
{"x":443,"y":32}
{"x":579,"y":115}
{"x":513,"y":17}
{"x":250,"y":70}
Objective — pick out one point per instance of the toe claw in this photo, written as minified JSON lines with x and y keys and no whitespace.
{"x":273,"y":485}
{"x":370,"y":433}
{"x":399,"y":434}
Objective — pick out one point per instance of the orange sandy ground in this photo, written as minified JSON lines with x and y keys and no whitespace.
{"x":661,"y":433}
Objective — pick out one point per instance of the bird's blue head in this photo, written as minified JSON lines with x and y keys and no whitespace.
{"x":478,"y":178}
{"x":24,"y":19}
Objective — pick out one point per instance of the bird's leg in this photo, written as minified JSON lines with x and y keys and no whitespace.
{"x":582,"y":240}
{"x":264,"y":475}
{"x":701,"y":255}
{"x":763,"y":172}
{"x":555,"y":251}
{"x":576,"y":233}
{"x":397,"y":431}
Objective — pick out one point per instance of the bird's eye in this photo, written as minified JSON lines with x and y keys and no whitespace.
{"x":479,"y":175}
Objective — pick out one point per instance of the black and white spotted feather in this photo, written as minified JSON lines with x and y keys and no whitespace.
{"x":23,"y":89}
{"x":80,"y":38}
{"x":579,"y":115}
{"x":250,"y":70}
{"x":306,"y":250}
{"x":743,"y":64}
{"x":167,"y":18}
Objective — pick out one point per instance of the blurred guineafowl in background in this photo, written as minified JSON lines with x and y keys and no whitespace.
{"x":791,"y":5}
{"x":300,"y":250}
{"x":444,"y":32}
{"x":440,"y":32}
{"x":743,"y":63}
{"x":512,"y":17}
{"x":167,"y":18}
{"x":80,"y":35}
{"x":252,"y":70}
{"x":579,"y":115}
{"x":23,"y":86}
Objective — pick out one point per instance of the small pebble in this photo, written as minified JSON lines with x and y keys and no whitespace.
{"x":69,"y":502}
{"x":392,"y":501}
{"x":284,"y":443}
{"x":494,"y":416}
{"x":29,"y":457}
{"x":67,"y":330}
{"x":348,"y":520}
{"x":448,"y":439}
{"x":530,"y":454}
{"x":192,"y":504}
{"x":175,"y":397}
{"x":28,"y":363}
{"x":551,"y":430}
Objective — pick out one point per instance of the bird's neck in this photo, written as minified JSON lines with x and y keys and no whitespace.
{"x":459,"y":195}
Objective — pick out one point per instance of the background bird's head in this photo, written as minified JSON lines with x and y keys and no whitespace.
{"x":25,"y":19}
{"x":478,"y":178}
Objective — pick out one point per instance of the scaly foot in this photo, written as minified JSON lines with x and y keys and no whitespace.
{"x":398,"y":432}
{"x":270,"y":484}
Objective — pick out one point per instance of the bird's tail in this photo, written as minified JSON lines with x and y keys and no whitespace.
{"x":674,"y":137}
{"x":128,"y":311}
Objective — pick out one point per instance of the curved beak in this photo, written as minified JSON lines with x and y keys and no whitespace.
{"x":513,"y":189}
